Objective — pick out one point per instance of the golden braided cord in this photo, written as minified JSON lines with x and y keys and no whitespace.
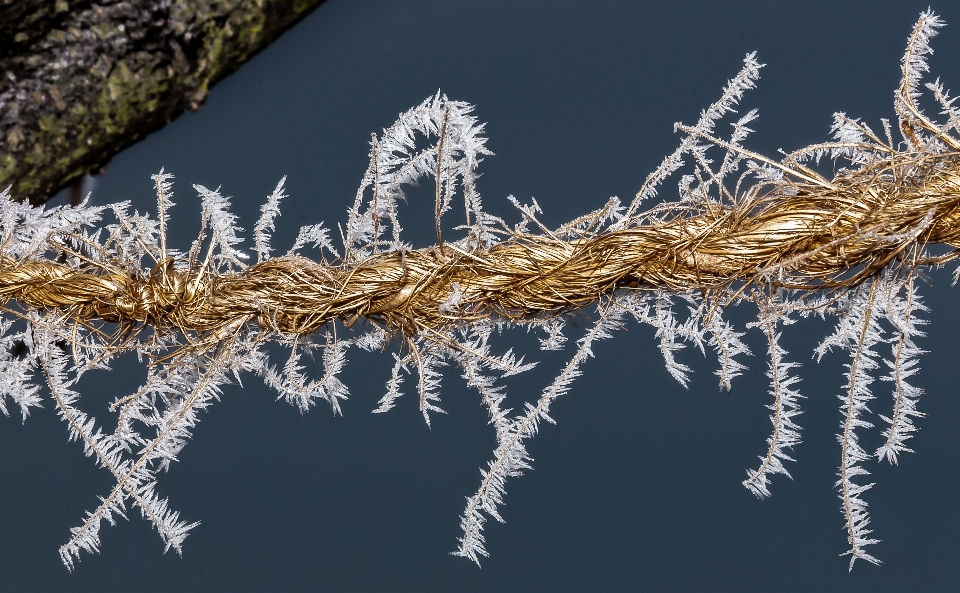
{"x":797,"y":234}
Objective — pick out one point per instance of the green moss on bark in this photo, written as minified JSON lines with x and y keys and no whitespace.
{"x":83,"y":80}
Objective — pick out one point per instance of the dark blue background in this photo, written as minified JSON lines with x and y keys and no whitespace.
{"x":638,"y":486}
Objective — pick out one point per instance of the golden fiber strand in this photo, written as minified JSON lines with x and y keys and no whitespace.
{"x":796,"y":235}
{"x":746,"y":229}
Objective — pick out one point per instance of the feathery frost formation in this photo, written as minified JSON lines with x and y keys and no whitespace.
{"x":746,"y":229}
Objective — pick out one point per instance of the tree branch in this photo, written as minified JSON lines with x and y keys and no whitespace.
{"x":81,"y":80}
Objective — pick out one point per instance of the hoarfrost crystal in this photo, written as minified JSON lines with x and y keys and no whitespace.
{"x":745,"y":230}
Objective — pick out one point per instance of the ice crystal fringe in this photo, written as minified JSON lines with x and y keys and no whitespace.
{"x":785,"y":406}
{"x":745,"y":229}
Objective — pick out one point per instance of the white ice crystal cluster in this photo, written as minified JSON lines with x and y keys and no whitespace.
{"x":45,"y":351}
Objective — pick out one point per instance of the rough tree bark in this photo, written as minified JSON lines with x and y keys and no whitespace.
{"x":80,"y":80}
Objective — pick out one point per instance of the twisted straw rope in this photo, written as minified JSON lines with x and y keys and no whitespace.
{"x":802,"y":235}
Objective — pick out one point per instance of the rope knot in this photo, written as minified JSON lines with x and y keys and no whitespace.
{"x":167,"y":290}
